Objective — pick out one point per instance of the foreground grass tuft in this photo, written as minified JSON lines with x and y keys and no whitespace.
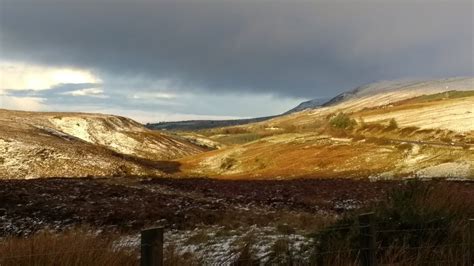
{"x":417,"y":223}
{"x":75,"y":247}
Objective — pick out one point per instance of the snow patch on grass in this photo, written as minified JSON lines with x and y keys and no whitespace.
{"x":450,"y":170}
{"x":220,"y":246}
{"x":74,"y":126}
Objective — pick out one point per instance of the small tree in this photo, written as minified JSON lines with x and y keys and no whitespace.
{"x":342,"y":121}
{"x":392,"y":124}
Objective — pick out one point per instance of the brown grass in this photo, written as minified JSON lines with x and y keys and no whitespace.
{"x":418,"y":223}
{"x":74,"y":247}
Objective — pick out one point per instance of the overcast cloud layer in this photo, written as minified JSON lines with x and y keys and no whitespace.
{"x":283,"y":51}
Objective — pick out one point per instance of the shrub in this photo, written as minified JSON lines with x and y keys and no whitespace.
{"x":392,"y":124}
{"x":342,"y":121}
{"x":228,"y":163}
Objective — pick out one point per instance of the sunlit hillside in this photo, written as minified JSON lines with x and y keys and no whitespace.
{"x":77,"y":145}
{"x":409,"y":129}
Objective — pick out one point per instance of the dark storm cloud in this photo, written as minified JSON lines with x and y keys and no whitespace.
{"x":287,"y":48}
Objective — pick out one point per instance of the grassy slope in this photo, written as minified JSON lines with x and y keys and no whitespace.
{"x":71,"y":145}
{"x":432,"y":130}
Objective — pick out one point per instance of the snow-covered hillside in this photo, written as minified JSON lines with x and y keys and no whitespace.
{"x":73,"y":144}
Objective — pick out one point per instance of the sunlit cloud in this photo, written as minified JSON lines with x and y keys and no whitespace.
{"x":22,"y":103}
{"x":23,"y":76}
{"x":154,"y":95}
{"x":90,"y":92}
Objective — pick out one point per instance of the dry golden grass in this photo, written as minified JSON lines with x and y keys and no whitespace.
{"x":306,"y":144}
{"x":418,"y":223}
{"x":292,"y":156}
{"x":74,"y":247}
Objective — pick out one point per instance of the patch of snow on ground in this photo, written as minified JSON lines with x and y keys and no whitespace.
{"x":74,"y":126}
{"x":450,"y":170}
{"x":220,"y":246}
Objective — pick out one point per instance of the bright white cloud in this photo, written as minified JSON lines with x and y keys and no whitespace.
{"x":154,"y":95}
{"x":22,"y":76}
{"x":22,"y":103}
{"x":90,"y":92}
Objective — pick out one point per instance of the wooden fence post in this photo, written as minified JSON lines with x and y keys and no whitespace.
{"x":367,"y":239}
{"x":471,"y":242}
{"x":321,"y":250}
{"x":152,"y":247}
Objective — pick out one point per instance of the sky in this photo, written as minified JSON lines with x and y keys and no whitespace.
{"x":178,"y":60}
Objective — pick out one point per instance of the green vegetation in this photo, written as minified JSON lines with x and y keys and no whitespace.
{"x":342,"y":121}
{"x":442,"y":96}
{"x":392,"y":124}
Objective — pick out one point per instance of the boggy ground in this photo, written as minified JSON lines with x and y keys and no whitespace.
{"x":128,"y":205}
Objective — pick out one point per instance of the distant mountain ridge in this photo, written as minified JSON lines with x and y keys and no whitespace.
{"x":207,"y":124}
{"x":457,"y":83}
{"x":204,"y":124}
{"x":395,"y":129}
{"x":311,"y":104}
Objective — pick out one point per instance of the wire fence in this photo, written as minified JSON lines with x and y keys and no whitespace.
{"x":365,"y":243}
{"x":412,"y":246}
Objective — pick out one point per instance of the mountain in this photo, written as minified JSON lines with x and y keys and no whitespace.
{"x":404,"y":86}
{"x":190,"y":125}
{"x":203,"y":124}
{"x":76,"y":144}
{"x":362,"y":91}
{"x":390,"y":129}
{"x":311,"y":104}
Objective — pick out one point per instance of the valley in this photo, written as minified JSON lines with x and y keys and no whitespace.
{"x":397,"y":133}
{"x":384,"y":130}
{"x":236,"y":133}
{"x":265,"y":190}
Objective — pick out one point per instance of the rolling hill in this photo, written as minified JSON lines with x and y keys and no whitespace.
{"x":402,"y":88}
{"x":383,"y":130}
{"x":77,"y":144}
